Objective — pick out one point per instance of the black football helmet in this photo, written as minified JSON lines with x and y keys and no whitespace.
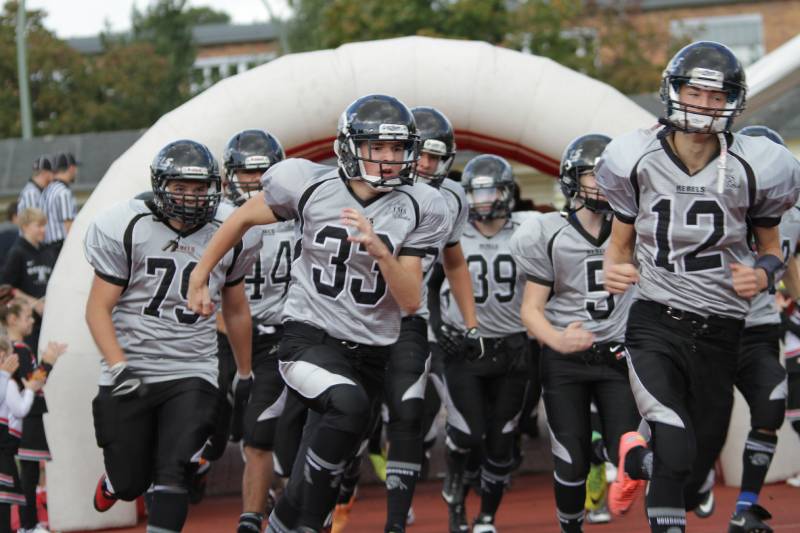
{"x":763,"y":131}
{"x":580,"y":157}
{"x":186,"y":160}
{"x":377,"y":118}
{"x":249,"y":150}
{"x":489,"y":183}
{"x":705,"y":65}
{"x":436,"y":138}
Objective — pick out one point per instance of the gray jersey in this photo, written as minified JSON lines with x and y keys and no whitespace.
{"x":497,"y":283}
{"x":763,"y":308}
{"x":162,"y":340}
{"x":336,"y":285}
{"x":456,"y":200}
{"x":687,"y":233}
{"x":268,"y":282}
{"x":557,"y":252}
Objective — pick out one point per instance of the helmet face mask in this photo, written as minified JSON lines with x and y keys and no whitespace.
{"x":592,"y":198}
{"x":703,"y":66}
{"x":489,"y":185}
{"x":249,"y":151}
{"x":174,"y":171}
{"x":437,"y":140}
{"x":366,"y":129}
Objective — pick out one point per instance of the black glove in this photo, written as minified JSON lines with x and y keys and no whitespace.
{"x":238,"y":397}
{"x":472,"y":345}
{"x":455,"y":343}
{"x":127,"y":383}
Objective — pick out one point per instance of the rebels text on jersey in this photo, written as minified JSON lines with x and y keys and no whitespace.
{"x":763,"y":308}
{"x":555,"y":251}
{"x":131,"y":247}
{"x":336,"y":285}
{"x":497,"y":283}
{"x":687,"y":233}
{"x":267,"y":284}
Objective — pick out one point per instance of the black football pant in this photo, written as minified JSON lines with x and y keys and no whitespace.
{"x":793,"y":397}
{"x":153,"y":439}
{"x":342,"y":384}
{"x":761,"y":378}
{"x":570,"y":382}
{"x":485,"y":399}
{"x":682,"y":368}
{"x":226,"y":365}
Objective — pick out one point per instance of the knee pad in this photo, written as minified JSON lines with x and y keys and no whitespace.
{"x":768,"y":416}
{"x":673,"y":453}
{"x":349,"y":409}
{"x":405,"y":421}
{"x":461,"y":442}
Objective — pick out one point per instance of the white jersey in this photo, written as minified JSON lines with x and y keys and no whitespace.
{"x":556,"y":251}
{"x":497,"y":284}
{"x":131,"y":247}
{"x":687,"y":233}
{"x":336,"y":285}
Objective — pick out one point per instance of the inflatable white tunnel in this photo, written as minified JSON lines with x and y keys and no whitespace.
{"x":524,"y":107}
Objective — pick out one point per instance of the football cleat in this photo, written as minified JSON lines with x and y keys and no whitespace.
{"x":341,"y":514}
{"x":624,"y":491}
{"x":707,"y":506}
{"x":601,"y":515}
{"x":484,"y":523}
{"x":378,"y":461}
{"x":596,"y":487}
{"x":751,"y":520}
{"x":103,"y":498}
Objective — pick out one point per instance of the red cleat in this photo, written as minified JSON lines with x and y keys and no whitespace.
{"x":103,"y":499}
{"x":624,"y":490}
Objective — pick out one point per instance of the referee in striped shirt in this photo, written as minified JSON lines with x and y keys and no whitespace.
{"x":31,"y":194}
{"x":58,"y":203}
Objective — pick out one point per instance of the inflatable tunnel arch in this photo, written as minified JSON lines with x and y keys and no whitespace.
{"x":523,"y":107}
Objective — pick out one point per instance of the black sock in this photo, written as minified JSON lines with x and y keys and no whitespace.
{"x":403,"y":467}
{"x":756,"y":458}
{"x":5,"y":518}
{"x":639,"y":463}
{"x":494,"y":480}
{"x":168,"y":510}
{"x":665,"y":505}
{"x":324,"y":464}
{"x":570,"y":499}
{"x":29,"y":477}
{"x":250,"y":523}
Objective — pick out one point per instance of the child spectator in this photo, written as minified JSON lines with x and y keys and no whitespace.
{"x":15,"y":405}
{"x":33,"y":447}
{"x":29,"y":266}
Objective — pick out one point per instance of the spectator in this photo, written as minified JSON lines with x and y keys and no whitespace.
{"x":58,"y":203}
{"x":9,"y":232}
{"x":31,"y":194}
{"x":29,"y":266}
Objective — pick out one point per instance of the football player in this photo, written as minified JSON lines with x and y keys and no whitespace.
{"x":362,"y":232}
{"x":580,"y":324}
{"x":760,"y":377}
{"x":686,"y":193}
{"x":155,"y":405}
{"x":485,"y":391}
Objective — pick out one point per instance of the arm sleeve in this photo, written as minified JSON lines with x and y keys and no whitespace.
{"x":529,"y":248}
{"x":243,"y":261}
{"x":433,"y":228}
{"x":459,"y":199}
{"x":19,"y":403}
{"x":777,"y":187}
{"x":614,"y":179}
{"x":284,"y":184}
{"x":105,"y":250}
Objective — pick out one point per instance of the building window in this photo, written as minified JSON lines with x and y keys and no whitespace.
{"x":744,"y":34}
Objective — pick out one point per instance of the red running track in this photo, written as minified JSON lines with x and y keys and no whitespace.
{"x":527,"y":507}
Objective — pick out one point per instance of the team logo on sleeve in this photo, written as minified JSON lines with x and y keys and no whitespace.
{"x":400,"y":211}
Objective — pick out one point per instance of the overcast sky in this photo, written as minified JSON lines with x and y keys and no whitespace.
{"x":78,"y":18}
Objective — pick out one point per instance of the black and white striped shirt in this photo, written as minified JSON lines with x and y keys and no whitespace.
{"x":58,"y":204}
{"x":29,"y":196}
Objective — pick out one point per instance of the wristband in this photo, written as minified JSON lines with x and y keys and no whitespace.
{"x":770,"y":264}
